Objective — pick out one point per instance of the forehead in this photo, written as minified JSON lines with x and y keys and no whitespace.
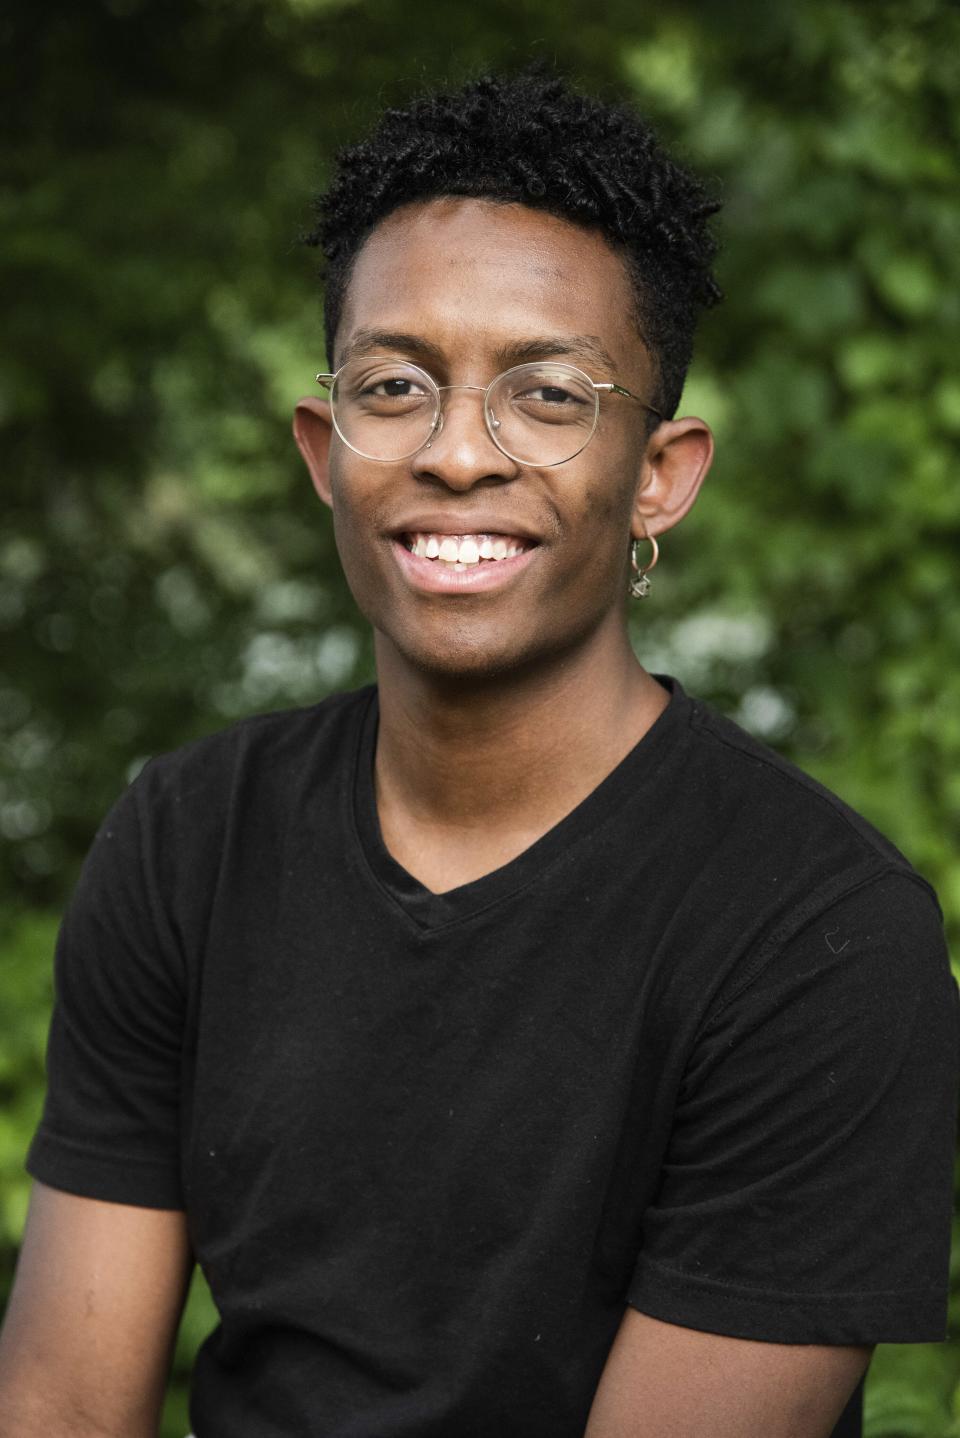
{"x":480,"y":274}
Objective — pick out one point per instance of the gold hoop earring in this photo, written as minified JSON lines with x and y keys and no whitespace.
{"x":639,"y":583}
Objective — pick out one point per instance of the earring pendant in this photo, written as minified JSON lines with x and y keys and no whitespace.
{"x":639,"y":581}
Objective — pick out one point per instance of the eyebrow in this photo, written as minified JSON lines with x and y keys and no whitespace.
{"x":583,"y":347}
{"x":586,"y":347}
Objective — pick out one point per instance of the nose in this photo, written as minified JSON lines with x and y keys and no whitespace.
{"x":460,"y":452}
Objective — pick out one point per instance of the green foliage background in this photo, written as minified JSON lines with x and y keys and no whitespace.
{"x":164,"y":567}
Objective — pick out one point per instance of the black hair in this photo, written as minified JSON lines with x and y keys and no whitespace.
{"x":531,"y":139}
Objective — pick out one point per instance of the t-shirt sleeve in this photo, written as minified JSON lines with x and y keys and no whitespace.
{"x":807,"y":1189}
{"x":110,"y":1124}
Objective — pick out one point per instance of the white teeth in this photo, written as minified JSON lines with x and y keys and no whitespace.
{"x":463,"y":549}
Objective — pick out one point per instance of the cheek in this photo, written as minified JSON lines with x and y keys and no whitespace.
{"x":354,"y":504}
{"x":605,"y":511}
{"x":608,"y":508}
{"x":346,"y":529}
{"x":603,"y":522}
{"x":355,"y":531}
{"x":606,"y":482}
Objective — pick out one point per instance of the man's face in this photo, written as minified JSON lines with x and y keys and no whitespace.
{"x":463,"y":288}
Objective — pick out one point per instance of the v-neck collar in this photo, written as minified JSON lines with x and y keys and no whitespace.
{"x":427,"y":911}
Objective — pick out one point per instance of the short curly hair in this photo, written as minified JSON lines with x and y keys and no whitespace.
{"x":531,"y":139}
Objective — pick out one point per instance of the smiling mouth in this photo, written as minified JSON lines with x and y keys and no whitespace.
{"x":462,"y":551}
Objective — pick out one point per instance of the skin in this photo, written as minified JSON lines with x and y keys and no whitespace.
{"x":664,"y":1381}
{"x":89,"y":1329}
{"x":530,"y":690}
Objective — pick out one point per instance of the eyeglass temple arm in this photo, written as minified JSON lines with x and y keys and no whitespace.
{"x":610,"y":388}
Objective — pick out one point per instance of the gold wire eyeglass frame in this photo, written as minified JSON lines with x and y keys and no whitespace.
{"x":492,"y":423}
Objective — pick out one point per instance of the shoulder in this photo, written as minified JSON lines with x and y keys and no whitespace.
{"x":766,"y":812}
{"x":275,"y":746}
{"x":256,"y":767}
{"x":752,"y":853}
{"x":775,"y":785}
{"x":172,"y":825}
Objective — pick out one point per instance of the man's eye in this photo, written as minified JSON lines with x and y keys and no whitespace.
{"x":397,"y":388}
{"x":550,"y":394}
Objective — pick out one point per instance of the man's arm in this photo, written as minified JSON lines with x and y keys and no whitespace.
{"x":87,"y":1339}
{"x":664,"y":1381}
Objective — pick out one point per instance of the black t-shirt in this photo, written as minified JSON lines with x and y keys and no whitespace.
{"x":694,"y":1050}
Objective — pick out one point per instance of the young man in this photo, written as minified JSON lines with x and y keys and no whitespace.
{"x":520,"y":1047}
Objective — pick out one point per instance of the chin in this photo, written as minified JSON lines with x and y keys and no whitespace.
{"x":462,"y":661}
{"x":459,"y":656}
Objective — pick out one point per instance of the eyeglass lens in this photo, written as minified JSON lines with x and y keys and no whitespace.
{"x":538,"y":414}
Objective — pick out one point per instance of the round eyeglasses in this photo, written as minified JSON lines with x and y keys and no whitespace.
{"x":540,"y":414}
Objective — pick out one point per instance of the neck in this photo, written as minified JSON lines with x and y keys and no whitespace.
{"x":450,"y":749}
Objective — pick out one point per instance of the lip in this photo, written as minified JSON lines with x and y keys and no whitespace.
{"x":443,"y":522}
{"x":432,"y":576}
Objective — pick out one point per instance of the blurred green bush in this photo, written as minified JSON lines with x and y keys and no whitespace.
{"x":164,"y":567}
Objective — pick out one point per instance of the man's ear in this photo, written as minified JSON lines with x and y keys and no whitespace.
{"x":313,"y":429}
{"x":678,"y":456}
